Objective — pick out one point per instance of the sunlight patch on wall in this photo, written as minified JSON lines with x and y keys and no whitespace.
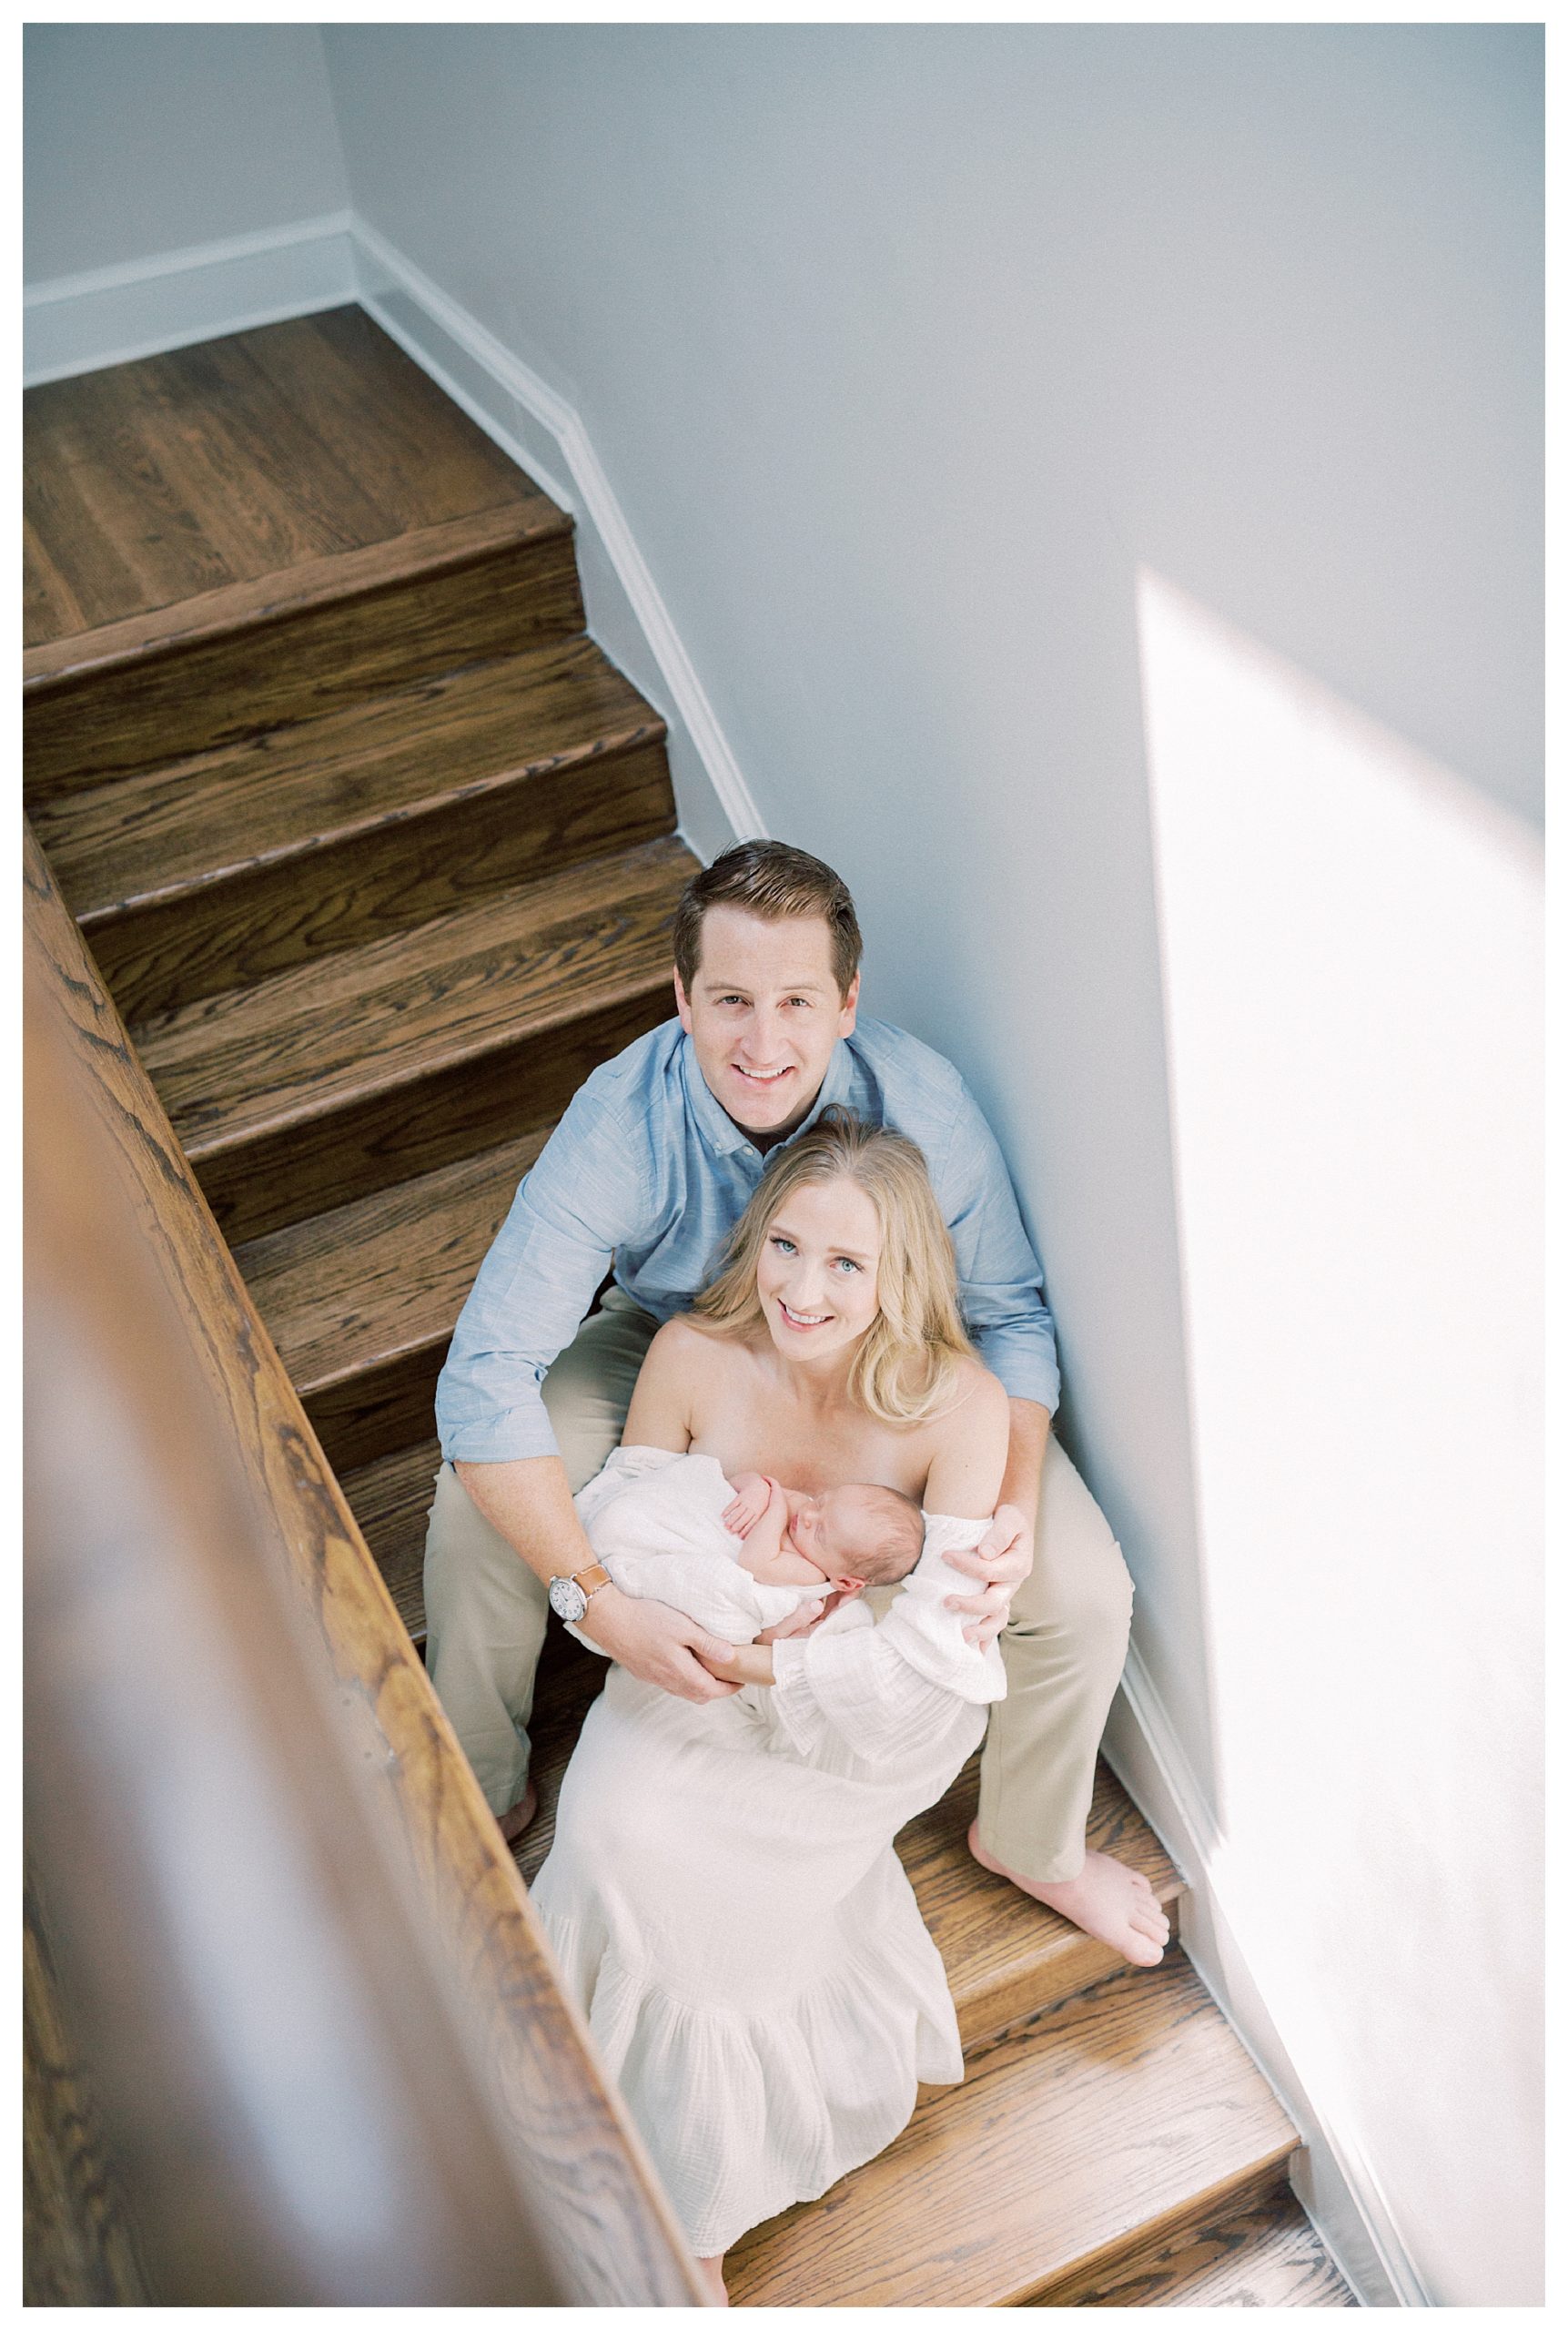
{"x":1351,"y":943}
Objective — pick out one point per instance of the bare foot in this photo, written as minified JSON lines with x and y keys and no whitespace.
{"x":711,"y":2270}
{"x":1113,"y":1902}
{"x":513,"y":1824}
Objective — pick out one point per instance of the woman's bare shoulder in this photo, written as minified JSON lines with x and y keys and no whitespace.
{"x":680,"y":1342}
{"x":695,"y":1344}
{"x":978,"y":1396}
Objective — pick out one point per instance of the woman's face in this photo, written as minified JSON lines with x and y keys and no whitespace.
{"x":816,"y":1273}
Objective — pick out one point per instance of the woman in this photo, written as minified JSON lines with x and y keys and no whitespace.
{"x":722,"y":1893}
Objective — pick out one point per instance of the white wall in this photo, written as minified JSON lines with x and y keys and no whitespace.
{"x":904,"y":348}
{"x":148,"y":138}
{"x":1352,"y":939}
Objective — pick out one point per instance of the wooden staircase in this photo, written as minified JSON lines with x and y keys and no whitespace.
{"x":377,"y":855}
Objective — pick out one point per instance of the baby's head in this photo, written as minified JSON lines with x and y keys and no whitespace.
{"x":860,"y":1534}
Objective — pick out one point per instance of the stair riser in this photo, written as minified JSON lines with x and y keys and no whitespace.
{"x":378,"y":1412}
{"x":985,"y":2015}
{"x":1097,"y":2281}
{"x":84,"y":730}
{"x":233,"y":932}
{"x":264,"y":1185}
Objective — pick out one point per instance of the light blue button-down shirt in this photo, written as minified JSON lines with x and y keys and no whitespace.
{"x":646,"y":1170}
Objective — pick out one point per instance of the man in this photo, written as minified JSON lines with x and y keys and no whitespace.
{"x":649,"y":1170}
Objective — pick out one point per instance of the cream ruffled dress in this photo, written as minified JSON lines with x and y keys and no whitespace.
{"x":727,"y":1907}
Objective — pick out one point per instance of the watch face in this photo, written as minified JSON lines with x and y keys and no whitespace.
{"x":567,"y":1598}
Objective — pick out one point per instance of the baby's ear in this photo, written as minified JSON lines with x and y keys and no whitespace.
{"x":849,"y":1585}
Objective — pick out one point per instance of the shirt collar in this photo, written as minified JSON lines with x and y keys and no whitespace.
{"x":719,"y":1128}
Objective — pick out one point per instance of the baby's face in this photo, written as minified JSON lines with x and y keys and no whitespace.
{"x":834,"y":1531}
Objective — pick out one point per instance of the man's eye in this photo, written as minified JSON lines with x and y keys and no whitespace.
{"x":801,"y":1002}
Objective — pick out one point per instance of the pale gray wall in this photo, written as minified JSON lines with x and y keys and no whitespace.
{"x":146,"y":138}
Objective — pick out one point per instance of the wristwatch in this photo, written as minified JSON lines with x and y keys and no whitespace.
{"x":569,"y":1596}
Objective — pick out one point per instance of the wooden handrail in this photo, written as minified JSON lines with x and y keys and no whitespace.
{"x":333,"y":2060}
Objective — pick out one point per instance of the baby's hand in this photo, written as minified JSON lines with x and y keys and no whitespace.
{"x":752,"y":1492}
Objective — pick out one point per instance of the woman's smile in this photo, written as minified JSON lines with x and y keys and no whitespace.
{"x":816,"y":1271}
{"x":800,"y":1320}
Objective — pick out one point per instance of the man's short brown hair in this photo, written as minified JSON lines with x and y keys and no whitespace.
{"x":775,"y":882}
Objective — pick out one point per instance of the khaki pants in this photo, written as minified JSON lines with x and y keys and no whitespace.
{"x":1064,"y":1646}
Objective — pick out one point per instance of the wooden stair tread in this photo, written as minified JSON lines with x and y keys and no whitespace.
{"x":163,"y":833}
{"x":253,"y":1061}
{"x":390,"y":1500}
{"x":150,"y":480}
{"x":386,"y":1274}
{"x":1265,"y":2255}
{"x":1126,"y":2105}
{"x":1006,"y":1955}
{"x":237,"y":608}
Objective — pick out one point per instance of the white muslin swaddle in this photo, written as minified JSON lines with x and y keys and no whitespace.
{"x":653,"y":1520}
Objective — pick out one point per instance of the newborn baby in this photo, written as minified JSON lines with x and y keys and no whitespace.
{"x":740,"y":1557}
{"x":844,"y":1540}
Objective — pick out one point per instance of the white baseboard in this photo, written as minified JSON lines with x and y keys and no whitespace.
{"x":1335,"y":2184}
{"x":626,"y":612}
{"x":80,"y":323}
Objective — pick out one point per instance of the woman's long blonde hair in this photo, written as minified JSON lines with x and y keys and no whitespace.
{"x":907,"y":1367}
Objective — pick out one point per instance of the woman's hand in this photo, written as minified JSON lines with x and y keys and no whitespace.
{"x":740,"y":1662}
{"x":804,"y":1621}
{"x":1003,"y":1559}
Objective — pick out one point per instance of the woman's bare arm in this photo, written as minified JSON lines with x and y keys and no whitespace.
{"x":742,"y":1662}
{"x":661,"y":1414}
{"x":970,"y":1458}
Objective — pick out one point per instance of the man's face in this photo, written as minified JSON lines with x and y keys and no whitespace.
{"x":763,"y":1015}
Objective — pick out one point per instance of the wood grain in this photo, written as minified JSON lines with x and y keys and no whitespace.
{"x":270,"y":494}
{"x":390,"y":877}
{"x":125,"y":539}
{"x":79,"y":2236}
{"x":360,"y":1302}
{"x":393,"y":1134}
{"x":1128,"y":2107}
{"x":294,"y":1049}
{"x":615,"y":2234}
{"x":382,"y":419}
{"x":226,"y":462}
{"x":231,"y":865}
{"x":1264,"y":2255}
{"x":346,"y":1291}
{"x":48,"y":605}
{"x":215,"y":671}
{"x":276,"y":798}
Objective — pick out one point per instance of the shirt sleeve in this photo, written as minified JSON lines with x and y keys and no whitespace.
{"x":586,"y":1194}
{"x":887,"y":1692}
{"x":1000,"y":1282}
